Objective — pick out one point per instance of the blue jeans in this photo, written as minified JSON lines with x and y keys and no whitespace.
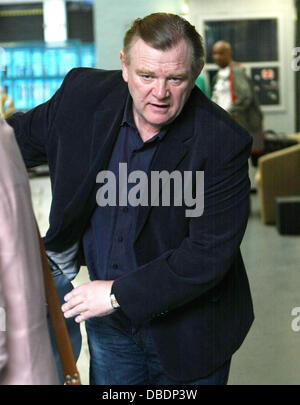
{"x":128,"y":357}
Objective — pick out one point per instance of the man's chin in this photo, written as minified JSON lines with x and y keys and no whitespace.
{"x":160,"y":121}
{"x":156,"y":122}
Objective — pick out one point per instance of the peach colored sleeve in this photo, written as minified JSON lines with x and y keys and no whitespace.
{"x":3,"y":347}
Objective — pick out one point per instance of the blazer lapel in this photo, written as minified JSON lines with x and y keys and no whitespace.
{"x":172,"y":149}
{"x":106,"y":126}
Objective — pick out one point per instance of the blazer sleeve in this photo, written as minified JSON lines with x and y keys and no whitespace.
{"x":205,"y":256}
{"x":32,"y":128}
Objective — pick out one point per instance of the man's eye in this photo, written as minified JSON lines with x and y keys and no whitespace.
{"x":175,"y":79}
{"x":147,"y":77}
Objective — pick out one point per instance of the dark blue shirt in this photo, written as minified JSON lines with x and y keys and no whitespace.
{"x":108,"y":240}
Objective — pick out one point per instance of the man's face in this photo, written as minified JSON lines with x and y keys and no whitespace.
{"x":221,"y":55}
{"x":159,"y":82}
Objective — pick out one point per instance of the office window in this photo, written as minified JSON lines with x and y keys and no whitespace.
{"x":251,"y":40}
{"x":21,"y":22}
{"x":80,"y":21}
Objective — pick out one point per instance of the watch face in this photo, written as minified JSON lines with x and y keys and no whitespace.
{"x":114,"y":302}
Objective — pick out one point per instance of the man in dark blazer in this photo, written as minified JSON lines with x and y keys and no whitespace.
{"x":169,"y":300}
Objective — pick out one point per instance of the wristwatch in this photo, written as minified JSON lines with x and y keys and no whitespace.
{"x":114,"y":302}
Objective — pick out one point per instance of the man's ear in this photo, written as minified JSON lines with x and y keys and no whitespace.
{"x":124,"y":66}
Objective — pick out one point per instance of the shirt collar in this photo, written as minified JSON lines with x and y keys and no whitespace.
{"x":128,"y":113}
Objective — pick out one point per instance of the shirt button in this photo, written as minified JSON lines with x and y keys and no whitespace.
{"x":115,"y":266}
{"x":120,"y":239}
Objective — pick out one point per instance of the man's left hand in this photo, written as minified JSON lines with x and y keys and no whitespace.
{"x":88,"y":300}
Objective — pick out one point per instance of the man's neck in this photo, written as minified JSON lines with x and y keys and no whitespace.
{"x":145,"y":129}
{"x":225,"y":67}
{"x":146,"y":135}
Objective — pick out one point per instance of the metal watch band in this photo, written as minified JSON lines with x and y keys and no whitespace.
{"x":114,"y":302}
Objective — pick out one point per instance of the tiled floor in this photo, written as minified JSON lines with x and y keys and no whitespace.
{"x":271,"y":351}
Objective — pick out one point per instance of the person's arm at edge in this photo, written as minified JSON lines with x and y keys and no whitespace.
{"x":3,"y":345}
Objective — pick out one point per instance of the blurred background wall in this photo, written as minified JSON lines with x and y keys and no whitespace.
{"x":90,"y":33}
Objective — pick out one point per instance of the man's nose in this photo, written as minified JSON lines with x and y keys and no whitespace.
{"x":161,"y":89}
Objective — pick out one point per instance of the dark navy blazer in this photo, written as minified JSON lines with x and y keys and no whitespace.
{"x":191,"y":283}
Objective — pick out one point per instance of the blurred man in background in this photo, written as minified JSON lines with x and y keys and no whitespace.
{"x":232,"y":90}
